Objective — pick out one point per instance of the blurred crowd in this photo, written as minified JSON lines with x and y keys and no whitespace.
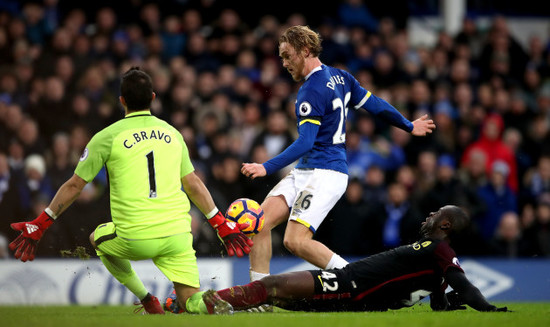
{"x":219,"y":81}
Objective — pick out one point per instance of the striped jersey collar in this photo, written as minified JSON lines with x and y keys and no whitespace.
{"x":139,"y":113}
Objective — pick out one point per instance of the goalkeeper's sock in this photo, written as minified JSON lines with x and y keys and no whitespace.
{"x":336,"y":262}
{"x":122,"y":270}
{"x":195,"y":304}
{"x":254,"y":275}
{"x":245,"y":296}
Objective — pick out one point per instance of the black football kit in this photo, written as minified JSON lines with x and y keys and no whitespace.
{"x":393,"y":279}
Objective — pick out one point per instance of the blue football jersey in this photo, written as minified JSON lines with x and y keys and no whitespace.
{"x":324,"y":99}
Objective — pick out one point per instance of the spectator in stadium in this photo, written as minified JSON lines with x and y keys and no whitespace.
{"x":502,"y":55}
{"x":384,"y":70}
{"x":539,"y":232}
{"x":449,"y":189}
{"x":173,"y":39}
{"x":426,"y":172}
{"x":374,"y":185}
{"x":10,"y":205}
{"x":150,"y":214}
{"x":52,"y":105}
{"x":514,"y":140}
{"x":58,"y":160}
{"x":445,"y":137}
{"x":538,"y":179}
{"x":276,"y":135}
{"x":470,"y":35}
{"x":354,"y":13}
{"x":393,"y":279}
{"x":538,"y":139}
{"x":226,"y":179}
{"x":34,"y":183}
{"x":473,"y":173}
{"x":320,"y":178}
{"x":363,"y":153}
{"x":29,"y":135}
{"x":498,"y":198}
{"x":350,"y":210}
{"x":16,"y":156}
{"x":258,"y":189}
{"x":393,"y":222}
{"x":13,"y":118}
{"x":490,"y":142}
{"x":509,"y":241}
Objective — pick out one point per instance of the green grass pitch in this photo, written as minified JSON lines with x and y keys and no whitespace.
{"x":524,"y":315}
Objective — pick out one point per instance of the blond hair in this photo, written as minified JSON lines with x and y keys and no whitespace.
{"x":300,"y":37}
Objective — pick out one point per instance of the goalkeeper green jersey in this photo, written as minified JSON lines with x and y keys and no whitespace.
{"x":145,"y":159}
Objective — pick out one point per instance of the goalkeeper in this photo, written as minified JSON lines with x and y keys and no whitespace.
{"x":389,"y":280}
{"x":147,"y":163}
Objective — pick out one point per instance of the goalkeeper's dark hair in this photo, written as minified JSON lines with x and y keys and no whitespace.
{"x":136,"y":88}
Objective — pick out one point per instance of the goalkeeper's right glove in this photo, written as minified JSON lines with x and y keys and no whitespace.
{"x":31,"y":232}
{"x":229,"y":232}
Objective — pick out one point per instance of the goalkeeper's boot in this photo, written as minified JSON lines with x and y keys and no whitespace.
{"x":152,"y":305}
{"x":215,"y":304}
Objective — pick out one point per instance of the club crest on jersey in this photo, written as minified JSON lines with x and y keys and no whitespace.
{"x":305,"y":108}
{"x":84,"y":154}
{"x":456,"y":262}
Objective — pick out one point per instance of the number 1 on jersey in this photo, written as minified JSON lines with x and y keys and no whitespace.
{"x":152,"y":179}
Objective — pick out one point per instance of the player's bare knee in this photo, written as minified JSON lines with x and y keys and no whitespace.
{"x":292,"y":245}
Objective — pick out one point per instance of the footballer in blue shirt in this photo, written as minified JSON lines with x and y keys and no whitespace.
{"x":320,"y":178}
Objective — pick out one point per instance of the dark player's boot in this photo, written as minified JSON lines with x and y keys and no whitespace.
{"x":215,"y":304}
{"x":151,"y":305}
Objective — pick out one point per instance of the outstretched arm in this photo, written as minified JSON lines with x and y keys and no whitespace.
{"x":386,"y":111}
{"x":198,"y":193}
{"x":468,"y":293}
{"x":31,"y":232}
{"x":234,"y":240}
{"x":67,"y":194}
{"x":307,"y":132}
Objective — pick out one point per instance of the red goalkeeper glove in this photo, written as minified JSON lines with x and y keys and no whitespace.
{"x":31,"y":232}
{"x":229,"y":232}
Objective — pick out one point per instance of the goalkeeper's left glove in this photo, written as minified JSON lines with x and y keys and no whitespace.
{"x":229,"y":232}
{"x":31,"y":232}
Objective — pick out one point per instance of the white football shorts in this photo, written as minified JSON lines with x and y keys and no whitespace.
{"x":311,"y":194}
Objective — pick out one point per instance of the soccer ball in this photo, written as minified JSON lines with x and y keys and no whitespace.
{"x":245,"y":210}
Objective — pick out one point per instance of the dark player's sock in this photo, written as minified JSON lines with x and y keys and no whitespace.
{"x":245,"y":296}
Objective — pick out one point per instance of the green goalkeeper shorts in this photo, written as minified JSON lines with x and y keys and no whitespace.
{"x":173,"y":255}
